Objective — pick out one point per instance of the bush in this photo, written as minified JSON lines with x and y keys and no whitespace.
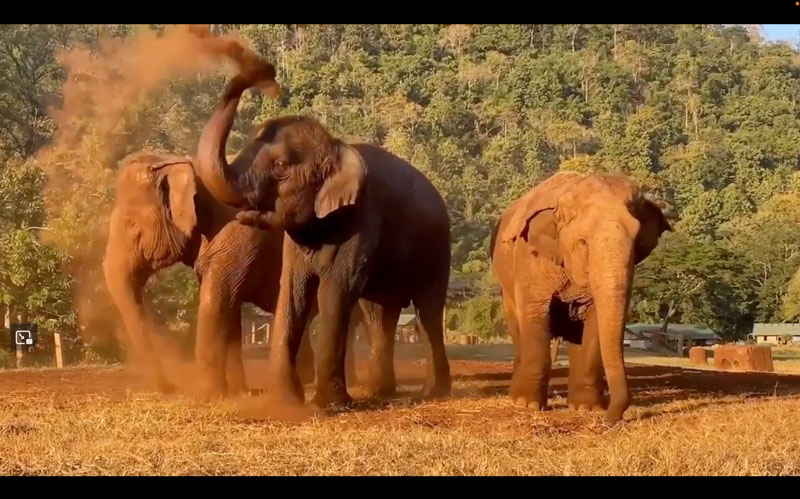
{"x":496,"y":340}
{"x":483,"y":317}
{"x":100,"y":353}
{"x":7,"y":359}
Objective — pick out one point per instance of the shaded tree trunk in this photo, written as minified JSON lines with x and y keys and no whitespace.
{"x":574,"y":34}
{"x":667,"y":317}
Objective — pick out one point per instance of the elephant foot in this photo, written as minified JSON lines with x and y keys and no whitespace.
{"x":158,"y":380}
{"x":529,"y":395}
{"x":163,"y":386}
{"x":381,"y":382}
{"x":285,"y":398}
{"x":212,"y":394}
{"x":284,"y":387}
{"x":292,"y":396}
{"x":437,"y":389}
{"x":586,"y":399}
{"x":235,"y":389}
{"x":611,"y":419}
{"x":534,"y":405}
{"x":615,"y":411}
{"x":381,"y":390}
{"x":332,"y":399}
{"x":283,"y":395}
{"x":212,"y":384}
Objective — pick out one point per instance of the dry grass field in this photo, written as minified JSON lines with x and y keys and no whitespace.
{"x":103,"y":421}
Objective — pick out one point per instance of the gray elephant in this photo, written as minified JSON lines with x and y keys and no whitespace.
{"x":564,"y":255}
{"x":163,"y":215}
{"x":363,"y":227}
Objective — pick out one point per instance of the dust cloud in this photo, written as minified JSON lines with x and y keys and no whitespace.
{"x":105,"y":86}
{"x":105,"y":89}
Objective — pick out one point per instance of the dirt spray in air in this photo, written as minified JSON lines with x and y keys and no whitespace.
{"x":105,"y":89}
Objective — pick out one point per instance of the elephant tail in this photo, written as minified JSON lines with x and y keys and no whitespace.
{"x":493,"y":237}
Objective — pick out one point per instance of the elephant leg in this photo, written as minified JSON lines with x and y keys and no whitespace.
{"x":335,"y":306}
{"x":214,"y":326}
{"x":234,"y":369}
{"x":513,"y":327}
{"x":146,"y":356}
{"x":350,"y":373}
{"x":586,"y":369}
{"x":429,"y":307}
{"x":305,"y":359}
{"x":292,"y":314}
{"x":531,"y":377}
{"x":381,"y":323}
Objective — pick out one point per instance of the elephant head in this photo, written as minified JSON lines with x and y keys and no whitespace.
{"x":293,"y":169}
{"x":595,"y":228}
{"x":154,"y":224}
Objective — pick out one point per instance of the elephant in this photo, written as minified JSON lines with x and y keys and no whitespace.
{"x":564,"y":255}
{"x":363,"y":227}
{"x":163,"y":215}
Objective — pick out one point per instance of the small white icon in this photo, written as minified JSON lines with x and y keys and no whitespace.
{"x":24,"y":337}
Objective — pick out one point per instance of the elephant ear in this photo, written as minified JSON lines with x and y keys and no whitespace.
{"x":543,"y":197}
{"x":343,"y":185}
{"x":542,"y":236}
{"x":178,"y":191}
{"x":653,"y":224}
{"x":567,"y":207}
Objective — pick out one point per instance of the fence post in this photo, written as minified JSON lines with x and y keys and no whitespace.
{"x":57,"y":343}
{"x":7,"y":325}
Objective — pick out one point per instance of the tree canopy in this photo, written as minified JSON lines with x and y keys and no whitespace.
{"x":706,"y":117}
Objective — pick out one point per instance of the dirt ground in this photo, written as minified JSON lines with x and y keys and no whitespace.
{"x":104,"y":420}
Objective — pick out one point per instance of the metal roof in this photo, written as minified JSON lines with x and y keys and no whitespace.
{"x":774,"y":328}
{"x":406,"y":319}
{"x":686,"y":330}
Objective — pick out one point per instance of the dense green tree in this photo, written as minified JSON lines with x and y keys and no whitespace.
{"x":707,"y":117}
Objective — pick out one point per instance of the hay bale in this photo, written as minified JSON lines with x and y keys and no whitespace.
{"x":465,"y":339}
{"x":743,"y":358}
{"x":698,"y":355}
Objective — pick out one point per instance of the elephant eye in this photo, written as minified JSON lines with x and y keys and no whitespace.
{"x":280,"y":163}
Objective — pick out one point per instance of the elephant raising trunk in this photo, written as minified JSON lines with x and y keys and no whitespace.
{"x":335,"y":202}
{"x":163,"y":215}
{"x":212,"y":165}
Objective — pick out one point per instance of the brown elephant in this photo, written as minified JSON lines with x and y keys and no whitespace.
{"x":363,"y":226}
{"x":564,"y":255}
{"x":163,"y":215}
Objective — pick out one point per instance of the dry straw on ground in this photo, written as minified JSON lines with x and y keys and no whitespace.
{"x":102,"y":421}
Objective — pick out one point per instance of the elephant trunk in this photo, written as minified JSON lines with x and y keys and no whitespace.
{"x":125,"y":285}
{"x":610,"y":278}
{"x":212,"y":165}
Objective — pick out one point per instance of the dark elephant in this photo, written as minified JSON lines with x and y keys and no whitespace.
{"x":564,"y":255}
{"x":363,"y":226}
{"x":163,"y":215}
